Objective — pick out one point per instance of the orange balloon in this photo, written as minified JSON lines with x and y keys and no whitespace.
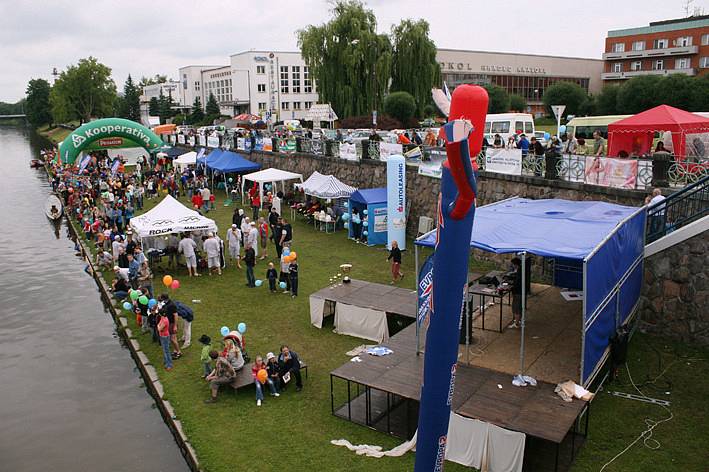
{"x":167,"y":280}
{"x":262,"y":375}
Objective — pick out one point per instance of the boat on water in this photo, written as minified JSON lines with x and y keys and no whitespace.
{"x":53,"y":207}
{"x":36,"y":163}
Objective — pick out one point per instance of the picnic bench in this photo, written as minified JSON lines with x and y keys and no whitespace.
{"x":244,"y":378}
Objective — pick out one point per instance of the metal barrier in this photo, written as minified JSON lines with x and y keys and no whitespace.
{"x":679,"y":209}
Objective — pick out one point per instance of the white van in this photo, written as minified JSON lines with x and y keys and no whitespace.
{"x":509,"y":124}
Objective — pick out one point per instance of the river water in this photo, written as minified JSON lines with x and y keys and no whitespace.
{"x":70,"y":395}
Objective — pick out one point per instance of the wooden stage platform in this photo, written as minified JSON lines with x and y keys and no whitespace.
{"x":386,"y":298}
{"x":383,"y":393}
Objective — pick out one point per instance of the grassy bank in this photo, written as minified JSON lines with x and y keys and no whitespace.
{"x":55,"y":135}
{"x":234,"y":433}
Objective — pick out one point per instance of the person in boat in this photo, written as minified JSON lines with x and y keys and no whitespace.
{"x":54,"y":211}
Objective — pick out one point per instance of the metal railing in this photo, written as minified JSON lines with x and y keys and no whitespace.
{"x":679,"y":209}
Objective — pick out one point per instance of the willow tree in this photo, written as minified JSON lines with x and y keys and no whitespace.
{"x":350,"y":62}
{"x":414,"y":69}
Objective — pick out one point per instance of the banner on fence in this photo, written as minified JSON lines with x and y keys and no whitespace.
{"x":267,"y":144}
{"x":213,"y":141}
{"x":431,"y":169}
{"x":192,"y":140}
{"x":172,"y":139}
{"x":380,"y":220}
{"x":202,"y":140}
{"x":503,"y":161}
{"x":609,"y":172}
{"x":348,"y":151}
{"x":316,"y":147}
{"x":240,"y":144}
{"x":389,"y":149}
{"x":247,"y":144}
{"x":286,"y":145}
{"x":181,"y":139}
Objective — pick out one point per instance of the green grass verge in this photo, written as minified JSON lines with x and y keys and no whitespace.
{"x":235,"y":432}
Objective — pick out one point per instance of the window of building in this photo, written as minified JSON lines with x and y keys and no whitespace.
{"x":261,"y":88}
{"x":307,"y":82}
{"x":683,"y":41}
{"x":638,"y":45}
{"x":618,"y":67}
{"x":619,"y":47}
{"x":284,"y":80}
{"x":261,"y":106}
{"x":307,"y":105}
{"x":296,"y":105}
{"x":659,"y":64}
{"x":636,"y":65}
{"x":704,"y":62}
{"x":682,"y":63}
{"x":296,"y":78}
{"x":260,"y":69}
{"x":285,"y":105}
{"x":705,"y":40}
{"x":500,"y":127}
{"x":660,"y":44}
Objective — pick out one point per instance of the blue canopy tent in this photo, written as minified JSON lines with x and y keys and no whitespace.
{"x":228,"y":162}
{"x":172,"y":152}
{"x":374,"y":202}
{"x":597,"y":247}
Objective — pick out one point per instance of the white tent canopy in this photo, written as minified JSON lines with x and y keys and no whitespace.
{"x":187,"y":159}
{"x":326,"y":186}
{"x":170,"y":216}
{"x":272,"y":176}
{"x":320,"y":112}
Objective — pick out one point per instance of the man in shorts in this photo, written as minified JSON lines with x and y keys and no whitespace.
{"x":233,"y":237}
{"x":211,"y":247}
{"x":187,"y":248}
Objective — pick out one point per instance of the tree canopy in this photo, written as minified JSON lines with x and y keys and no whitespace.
{"x":565,"y":93}
{"x":130,"y":101}
{"x":82,"y":91}
{"x":197,"y":114}
{"x":499,"y":99}
{"x":518,"y":103}
{"x":400,"y":105}
{"x":414,"y":66}
{"x":37,"y":106}
{"x":212,"y":107}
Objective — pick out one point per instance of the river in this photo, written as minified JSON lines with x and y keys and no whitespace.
{"x":71,"y":397}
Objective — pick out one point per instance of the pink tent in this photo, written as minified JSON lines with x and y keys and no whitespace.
{"x":635,"y":134}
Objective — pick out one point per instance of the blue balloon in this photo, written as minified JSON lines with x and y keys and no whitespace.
{"x":562,"y":129}
{"x":364,"y":212}
{"x":152,"y":302}
{"x":356,"y":220}
{"x":346,"y":225}
{"x":282,"y":285}
{"x":241,"y":328}
{"x":365,"y":223}
{"x":127,"y":306}
{"x":286,"y":251}
{"x":547,"y":135}
{"x":259,"y":283}
{"x":365,"y":233}
{"x":345,"y":216}
{"x":224,"y":330}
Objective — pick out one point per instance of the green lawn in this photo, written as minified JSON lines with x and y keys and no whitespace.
{"x":235,"y":434}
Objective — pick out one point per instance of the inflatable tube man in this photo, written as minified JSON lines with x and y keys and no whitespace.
{"x":456,"y":207}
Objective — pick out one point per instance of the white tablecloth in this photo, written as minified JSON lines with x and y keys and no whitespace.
{"x":317,"y":306}
{"x":361,"y":322}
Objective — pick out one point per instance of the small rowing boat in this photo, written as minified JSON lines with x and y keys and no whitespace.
{"x":36,"y":163}
{"x":53,"y":207}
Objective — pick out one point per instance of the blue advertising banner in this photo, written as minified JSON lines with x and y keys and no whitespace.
{"x":425,"y":289}
{"x":396,"y":201}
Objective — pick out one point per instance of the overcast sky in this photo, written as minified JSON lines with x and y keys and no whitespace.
{"x":144,"y":38}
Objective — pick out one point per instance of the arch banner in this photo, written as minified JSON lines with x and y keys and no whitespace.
{"x":105,"y":128}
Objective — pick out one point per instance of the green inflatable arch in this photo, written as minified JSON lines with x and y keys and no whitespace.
{"x":86,"y":134}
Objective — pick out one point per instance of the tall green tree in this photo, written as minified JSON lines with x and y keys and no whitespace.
{"x":518,"y":103}
{"x":400,"y":105}
{"x":639,"y":93}
{"x":499,"y":99}
{"x":157,"y":79}
{"x":165,"y":104}
{"x":414,"y":66}
{"x":607,"y":100}
{"x":154,"y":106}
{"x":197,"y":114}
{"x":565,"y":93}
{"x":82,"y":91}
{"x":212,"y":106}
{"x":350,"y":62}
{"x":131,"y":100}
{"x":37,"y":106}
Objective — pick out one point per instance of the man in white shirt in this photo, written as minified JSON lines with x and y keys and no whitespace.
{"x":206,"y":194}
{"x":187,"y":247}
{"x":657,"y":219}
{"x":233,"y":237}
{"x":116,"y":245}
{"x":211,"y":247}
{"x":253,"y":237}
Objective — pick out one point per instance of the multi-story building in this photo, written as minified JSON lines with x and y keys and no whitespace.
{"x":527,"y":75}
{"x":191,"y":85}
{"x":169,"y":88}
{"x":218,"y":82}
{"x":678,"y":46}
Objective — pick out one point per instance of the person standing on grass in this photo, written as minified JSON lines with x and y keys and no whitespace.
{"x":250,"y":260}
{"x":395,"y":257}
{"x":284,"y":276}
{"x":145,"y":279}
{"x":133,"y":268}
{"x":263,"y":237}
{"x":272,"y":276}
{"x":233,"y":237}
{"x":293,"y":274}
{"x":255,"y":206}
{"x":286,"y":234}
{"x":211,"y":247}
{"x":206,"y":195}
{"x":163,"y":329}
{"x":204,"y":358}
{"x":258,"y":365}
{"x":223,"y":374}
{"x":252,"y":237}
{"x":169,"y":309}
{"x":277,"y":235}
{"x":187,"y":247}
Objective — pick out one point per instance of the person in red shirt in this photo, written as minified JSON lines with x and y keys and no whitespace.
{"x":164,"y":333}
{"x":255,"y":206}
{"x":403,"y":139}
{"x":197,"y":200}
{"x":259,"y":365}
{"x":263,"y":236}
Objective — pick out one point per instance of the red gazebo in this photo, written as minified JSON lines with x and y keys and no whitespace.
{"x":635,"y":134}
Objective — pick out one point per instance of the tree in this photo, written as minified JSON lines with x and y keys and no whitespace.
{"x":639,"y":94}
{"x":157,"y":79}
{"x":165,"y":104}
{"x":82,"y":91}
{"x":588,"y":107}
{"x":37,"y":106}
{"x":414,"y":66}
{"x":349,"y":61}
{"x":400,"y":105}
{"x":607,"y":100}
{"x":565,"y":93}
{"x":499,"y":99}
{"x":153,"y":106}
{"x":518,"y":103}
{"x":197,"y":114}
{"x":212,"y":106}
{"x":678,"y":90}
{"x":131,"y":101}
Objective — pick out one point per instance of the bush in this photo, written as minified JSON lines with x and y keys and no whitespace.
{"x":499,"y":99}
{"x":565,"y":93}
{"x":518,"y":103}
{"x":400,"y":105}
{"x":384,"y":122}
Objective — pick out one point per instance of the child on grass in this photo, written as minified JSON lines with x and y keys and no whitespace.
{"x":293,"y":274}
{"x":271,"y":275}
{"x":204,"y":356}
{"x":284,"y":277}
{"x":258,"y":365}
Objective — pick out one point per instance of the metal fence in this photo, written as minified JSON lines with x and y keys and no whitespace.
{"x":679,"y":209}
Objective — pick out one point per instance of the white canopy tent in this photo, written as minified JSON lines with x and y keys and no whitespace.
{"x":272,"y":176}
{"x":170,"y":216}
{"x":326,"y":186}
{"x":187,"y":159}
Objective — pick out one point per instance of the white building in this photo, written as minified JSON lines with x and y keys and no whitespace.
{"x":191,"y":84}
{"x":218,"y":82}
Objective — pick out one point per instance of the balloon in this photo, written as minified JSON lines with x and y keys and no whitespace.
{"x":286,"y":251}
{"x":259,"y":283}
{"x":175,"y":284}
{"x":293,"y":255}
{"x":127,"y":306}
{"x":134,"y":294}
{"x":242,"y":326}
{"x":356,"y":220}
{"x":346,"y":225}
{"x":282,"y":285}
{"x":230,"y":180}
{"x":365,"y":233}
{"x":365,"y":223}
{"x":143,"y":300}
{"x":364,"y":212}
{"x":152,"y":302}
{"x":547,"y":135}
{"x":262,"y":375}
{"x":562,"y":129}
{"x":345,"y":216}
{"x":224,"y":330}
{"x":167,"y":280}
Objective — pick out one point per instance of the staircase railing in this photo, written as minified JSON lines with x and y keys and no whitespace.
{"x":679,"y":209}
